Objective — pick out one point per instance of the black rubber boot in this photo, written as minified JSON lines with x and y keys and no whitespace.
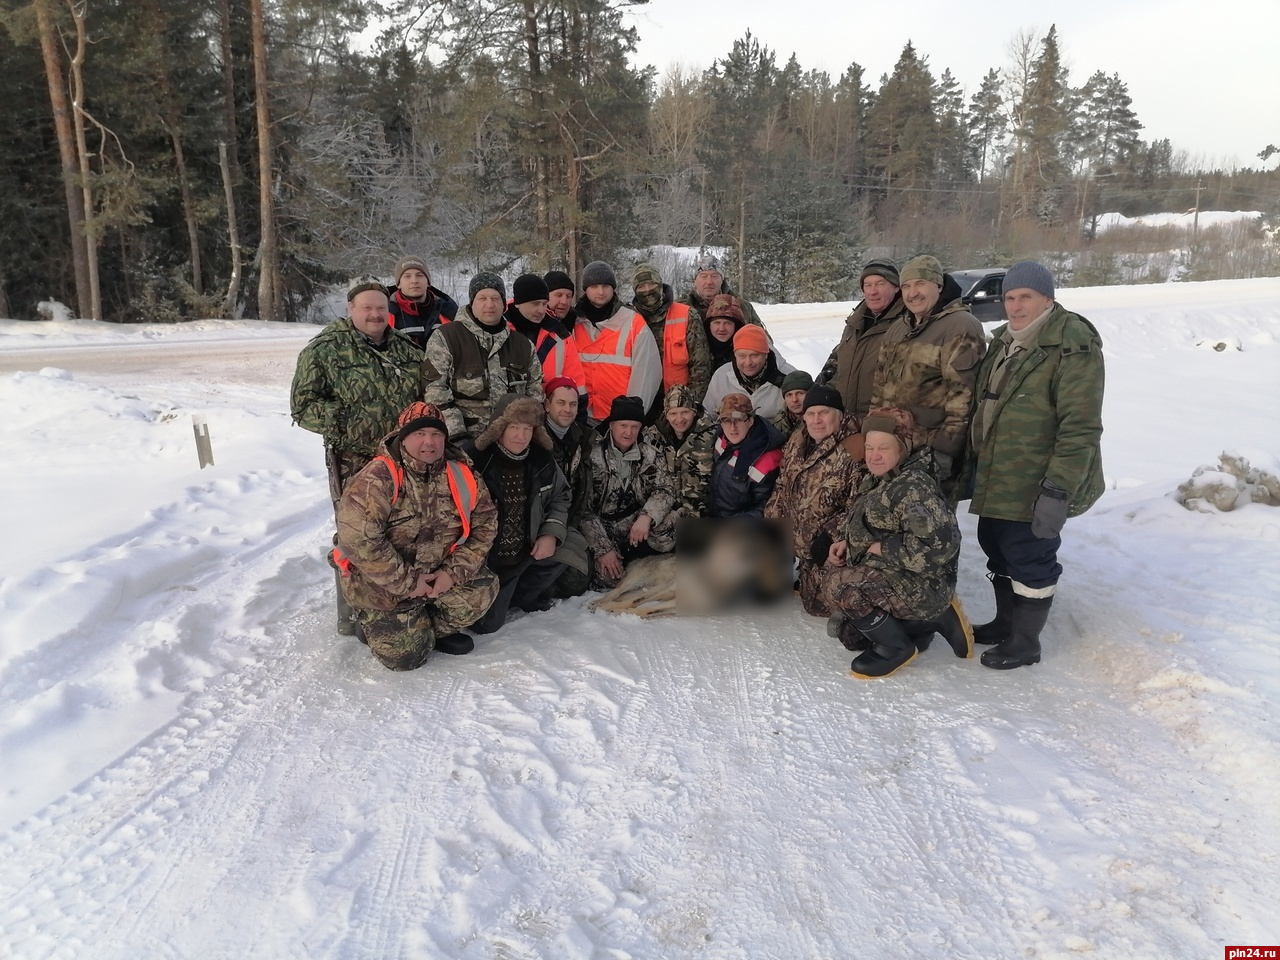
{"x":1023,"y":646}
{"x":953,"y":625}
{"x":891,"y":646}
{"x":997,"y":630}
{"x":455,"y":644}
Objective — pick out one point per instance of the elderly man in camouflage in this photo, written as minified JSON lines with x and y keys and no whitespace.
{"x":1034,"y":455}
{"x":892,"y":573}
{"x":414,"y":528}
{"x":351,"y":382}
{"x":477,"y":359}
{"x":928,"y":364}
{"x":684,"y":434}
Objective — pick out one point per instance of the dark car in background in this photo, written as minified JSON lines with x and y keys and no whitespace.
{"x":982,"y":293}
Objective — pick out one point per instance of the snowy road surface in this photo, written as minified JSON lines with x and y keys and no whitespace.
{"x":195,"y":766}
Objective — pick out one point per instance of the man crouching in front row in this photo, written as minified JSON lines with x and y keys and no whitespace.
{"x":414,"y":527}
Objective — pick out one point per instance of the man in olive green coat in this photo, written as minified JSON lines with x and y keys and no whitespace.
{"x":1034,"y":455}
{"x":851,"y":367}
{"x":351,"y":382}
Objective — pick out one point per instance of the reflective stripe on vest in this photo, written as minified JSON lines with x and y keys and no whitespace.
{"x":606,"y":361}
{"x":675,"y":362}
{"x":462,"y":487}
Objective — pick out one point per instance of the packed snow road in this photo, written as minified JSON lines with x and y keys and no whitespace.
{"x":196,"y":766}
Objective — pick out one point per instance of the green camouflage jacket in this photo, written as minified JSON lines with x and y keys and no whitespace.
{"x":351,"y":393}
{"x":916,"y":528}
{"x":466,"y":370}
{"x":930,"y":367}
{"x":689,"y":463}
{"x":390,"y":543}
{"x":1046,"y":425}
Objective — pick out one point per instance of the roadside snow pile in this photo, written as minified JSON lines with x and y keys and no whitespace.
{"x":1236,"y":481}
{"x":1207,"y":218}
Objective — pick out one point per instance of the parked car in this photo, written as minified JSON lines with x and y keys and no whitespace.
{"x":982,"y":293}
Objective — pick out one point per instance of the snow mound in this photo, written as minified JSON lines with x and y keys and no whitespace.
{"x":1237,"y":481}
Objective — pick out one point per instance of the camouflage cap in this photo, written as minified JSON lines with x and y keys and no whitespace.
{"x":646,"y":273}
{"x":891,"y":420}
{"x":922,"y":268}
{"x":725,"y":306}
{"x":708,"y":262}
{"x":364,"y":284}
{"x":420,"y":416}
{"x":736,"y":403}
{"x":681,"y":395}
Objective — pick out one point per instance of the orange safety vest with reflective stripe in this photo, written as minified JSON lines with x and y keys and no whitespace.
{"x":675,"y":347}
{"x":606,"y":361}
{"x":462,"y":487}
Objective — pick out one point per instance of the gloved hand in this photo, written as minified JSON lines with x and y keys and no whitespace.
{"x":942,"y":464}
{"x":820,"y":547}
{"x":1049,"y":512}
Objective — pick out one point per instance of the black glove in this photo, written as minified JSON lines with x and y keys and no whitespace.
{"x":942,"y":464}
{"x":1049,"y":512}
{"x":820,"y":547}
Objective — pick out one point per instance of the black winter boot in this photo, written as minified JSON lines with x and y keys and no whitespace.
{"x":953,"y":625}
{"x":346,"y":624}
{"x":891,"y":646}
{"x":455,"y":644}
{"x":997,"y":630}
{"x":1023,"y":646}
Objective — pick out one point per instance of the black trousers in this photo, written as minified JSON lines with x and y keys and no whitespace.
{"x":520,"y":586}
{"x":1014,"y":551}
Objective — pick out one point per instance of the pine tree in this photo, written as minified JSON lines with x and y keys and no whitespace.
{"x":987,"y":123}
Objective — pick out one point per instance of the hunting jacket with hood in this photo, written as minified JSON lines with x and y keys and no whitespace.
{"x":350,"y":391}
{"x":391,"y":532}
{"x":929,"y":367}
{"x":1046,"y":424}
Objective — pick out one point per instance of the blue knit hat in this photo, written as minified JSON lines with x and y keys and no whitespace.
{"x":1029,"y":275}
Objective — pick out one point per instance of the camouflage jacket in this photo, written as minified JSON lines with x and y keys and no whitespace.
{"x":390,"y":543}
{"x":786,"y":422}
{"x":616,"y":500}
{"x":851,"y":368}
{"x":466,"y":369}
{"x":695,"y":342}
{"x":906,"y":513}
{"x":930,"y":367}
{"x":816,"y":483}
{"x":688,"y":462}
{"x":572,"y":454}
{"x":1046,"y":424}
{"x":351,"y":393}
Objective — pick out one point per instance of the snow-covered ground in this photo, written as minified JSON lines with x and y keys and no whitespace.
{"x":1205,"y":219}
{"x":195,"y":766}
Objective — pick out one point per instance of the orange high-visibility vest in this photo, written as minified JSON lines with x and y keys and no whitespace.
{"x":606,"y":360}
{"x":675,"y":347}
{"x":462,"y":487}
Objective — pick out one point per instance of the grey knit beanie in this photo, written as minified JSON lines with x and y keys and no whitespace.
{"x":485,"y":281}
{"x":597,"y":271}
{"x":880,"y":268}
{"x":1029,"y":275}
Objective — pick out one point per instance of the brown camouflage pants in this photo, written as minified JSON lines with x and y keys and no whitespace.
{"x":857,"y":591}
{"x":811,"y":576}
{"x":402,"y":638}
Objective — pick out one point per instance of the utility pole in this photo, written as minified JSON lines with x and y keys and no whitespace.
{"x":1195,"y":220}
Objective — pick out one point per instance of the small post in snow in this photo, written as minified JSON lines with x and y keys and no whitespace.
{"x":204,"y":446}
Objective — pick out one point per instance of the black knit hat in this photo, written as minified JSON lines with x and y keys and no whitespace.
{"x":624,"y":408}
{"x":558,"y":280}
{"x":597,"y":272}
{"x":528,"y":287}
{"x":824,"y":397}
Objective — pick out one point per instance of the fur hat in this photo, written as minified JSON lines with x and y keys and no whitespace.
{"x":708,"y":262}
{"x":420,"y":416}
{"x":824,"y":397}
{"x":922,"y":268}
{"x":1029,"y":275}
{"x":751,"y":337}
{"x":796,"y":380}
{"x":738,"y":403}
{"x":880,"y":268}
{"x":529,"y":287}
{"x":484,"y":280}
{"x":597,"y":272}
{"x":360,"y":285}
{"x":558,"y":280}
{"x":411,"y":263}
{"x":681,"y":395}
{"x":555,"y":383}
{"x":893,"y":420}
{"x":513,"y":408}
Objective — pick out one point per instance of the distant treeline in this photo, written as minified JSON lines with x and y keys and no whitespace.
{"x":167,"y":159}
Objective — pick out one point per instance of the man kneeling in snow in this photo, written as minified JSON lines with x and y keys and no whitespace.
{"x":414,"y":528}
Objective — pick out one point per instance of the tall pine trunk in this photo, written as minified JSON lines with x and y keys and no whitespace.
{"x":78,"y":12}
{"x":268,"y":253}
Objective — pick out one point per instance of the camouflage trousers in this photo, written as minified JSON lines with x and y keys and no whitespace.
{"x":811,"y":576}
{"x":858,"y":591}
{"x":402,"y":638}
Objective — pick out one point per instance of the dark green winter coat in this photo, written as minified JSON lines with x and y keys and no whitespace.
{"x":851,"y":368}
{"x":350,"y":392}
{"x":916,"y":528}
{"x":1046,"y":424}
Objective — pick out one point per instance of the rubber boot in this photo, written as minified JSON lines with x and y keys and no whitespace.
{"x":953,"y":625}
{"x":997,"y":630}
{"x":346,"y":617}
{"x":1023,"y":646}
{"x":455,"y":644}
{"x":891,"y":646}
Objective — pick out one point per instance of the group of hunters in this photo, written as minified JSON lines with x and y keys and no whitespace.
{"x":512,"y":452}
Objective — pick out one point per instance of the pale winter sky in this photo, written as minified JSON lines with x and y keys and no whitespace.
{"x":1207,"y":76}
